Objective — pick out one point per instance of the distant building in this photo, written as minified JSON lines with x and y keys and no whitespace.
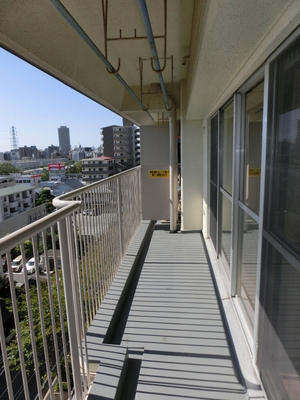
{"x":28,"y":152}
{"x":61,"y":187}
{"x":64,"y":139}
{"x":15,"y":200}
{"x":95,"y":169}
{"x":78,"y":154}
{"x":52,"y":149}
{"x":29,"y":179}
{"x":57,"y":172}
{"x":22,"y":219}
{"x":122,"y":144}
{"x":7,"y":181}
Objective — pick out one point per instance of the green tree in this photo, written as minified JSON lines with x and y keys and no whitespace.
{"x":7,"y":168}
{"x":45,"y":197}
{"x":79,"y":167}
{"x":12,"y":347}
{"x":45,"y":174}
{"x":28,"y":249}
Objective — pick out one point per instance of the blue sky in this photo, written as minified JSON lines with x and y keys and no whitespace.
{"x":37,"y":104}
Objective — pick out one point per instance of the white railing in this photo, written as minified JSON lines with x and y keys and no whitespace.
{"x":88,"y":236}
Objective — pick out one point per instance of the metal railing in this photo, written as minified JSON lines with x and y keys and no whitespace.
{"x":88,"y":237}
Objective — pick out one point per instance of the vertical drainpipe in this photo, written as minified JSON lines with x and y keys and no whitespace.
{"x":173,"y":170}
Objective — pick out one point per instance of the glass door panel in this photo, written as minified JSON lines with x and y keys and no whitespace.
{"x":226,"y":162}
{"x":252,"y":148}
{"x":214,"y":178}
{"x":226,"y":231}
{"x":249,"y":264}
{"x":249,"y":200}
{"x":279,"y":325}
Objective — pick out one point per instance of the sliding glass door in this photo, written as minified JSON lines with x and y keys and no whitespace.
{"x":279,"y":323}
{"x":249,"y":198}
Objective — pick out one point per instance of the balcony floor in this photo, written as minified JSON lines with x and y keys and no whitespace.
{"x":178,"y":345}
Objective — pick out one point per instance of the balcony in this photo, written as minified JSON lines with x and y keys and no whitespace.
{"x":133,"y":312}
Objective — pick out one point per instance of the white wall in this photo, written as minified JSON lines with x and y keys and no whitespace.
{"x":191,"y":169}
{"x":155,"y":156}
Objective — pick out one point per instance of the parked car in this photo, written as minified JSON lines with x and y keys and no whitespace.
{"x":30,"y":266}
{"x":89,"y":212}
{"x":17,"y":264}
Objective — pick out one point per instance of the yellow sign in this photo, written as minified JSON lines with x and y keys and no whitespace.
{"x":254,"y":171}
{"x":160,"y":173}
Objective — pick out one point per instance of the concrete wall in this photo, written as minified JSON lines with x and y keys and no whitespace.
{"x":191,"y":169}
{"x":155,"y":156}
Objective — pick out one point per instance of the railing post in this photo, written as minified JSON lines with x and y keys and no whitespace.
{"x":71,"y":319}
{"x":119,"y":193}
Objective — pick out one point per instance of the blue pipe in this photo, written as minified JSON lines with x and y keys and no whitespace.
{"x":146,"y":20}
{"x":68,"y":17}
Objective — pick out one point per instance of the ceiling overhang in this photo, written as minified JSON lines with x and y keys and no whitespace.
{"x":213,"y":45}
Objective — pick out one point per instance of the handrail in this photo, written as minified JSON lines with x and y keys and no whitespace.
{"x":62,"y":201}
{"x":14,"y":238}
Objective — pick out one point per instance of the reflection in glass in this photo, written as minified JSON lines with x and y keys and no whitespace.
{"x":253,"y":140}
{"x":279,"y":326}
{"x":285,"y":190}
{"x":280,"y":321}
{"x":214,"y":139}
{"x":249,"y":265}
{"x":227,"y":146}
{"x":226,"y":231}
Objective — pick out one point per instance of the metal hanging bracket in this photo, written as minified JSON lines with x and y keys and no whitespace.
{"x":104,"y":14}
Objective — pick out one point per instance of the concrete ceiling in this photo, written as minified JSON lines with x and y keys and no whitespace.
{"x":219,"y":36}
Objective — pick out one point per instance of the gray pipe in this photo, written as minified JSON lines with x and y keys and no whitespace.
{"x":68,"y":17}
{"x":146,"y":20}
{"x":172,"y":122}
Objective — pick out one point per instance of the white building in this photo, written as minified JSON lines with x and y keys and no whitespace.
{"x":95,"y":169}
{"x":15,"y":200}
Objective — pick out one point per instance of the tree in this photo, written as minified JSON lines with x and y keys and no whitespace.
{"x":45,"y":175}
{"x":12,"y":347}
{"x":45,"y":197}
{"x":7,"y":168}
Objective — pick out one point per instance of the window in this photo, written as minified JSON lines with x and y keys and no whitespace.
{"x":279,"y":326}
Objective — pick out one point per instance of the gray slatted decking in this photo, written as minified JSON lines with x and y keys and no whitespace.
{"x":176,"y":320}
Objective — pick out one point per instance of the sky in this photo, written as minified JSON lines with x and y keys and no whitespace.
{"x":37,"y":104}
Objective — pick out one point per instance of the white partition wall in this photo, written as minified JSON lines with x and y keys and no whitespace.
{"x":155,"y":157}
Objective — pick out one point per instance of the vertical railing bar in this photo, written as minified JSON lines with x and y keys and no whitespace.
{"x":110,"y":240}
{"x":117,"y":224}
{"x":86,"y":256}
{"x":104,"y":269}
{"x":96,"y":266}
{"x":30,"y":318}
{"x":69,"y":299}
{"x":57,"y":357}
{"x":91,"y":266}
{"x":85,"y":364}
{"x":5,"y":361}
{"x":98,"y":247}
{"x":61,"y":317}
{"x":17,"y":324}
{"x":48,"y":367}
{"x":74,"y":282}
{"x":79,"y":224}
{"x":104,"y":190}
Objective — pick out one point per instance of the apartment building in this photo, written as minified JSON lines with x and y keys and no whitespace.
{"x":122,"y":144}
{"x":15,"y":200}
{"x":94,"y":169}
